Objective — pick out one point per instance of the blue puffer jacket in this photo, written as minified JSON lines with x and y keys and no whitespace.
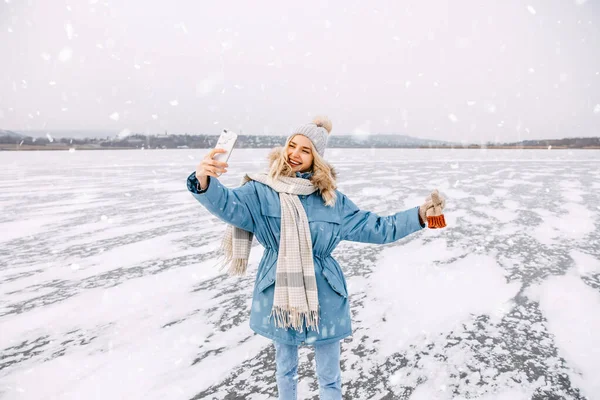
{"x":255,"y":207}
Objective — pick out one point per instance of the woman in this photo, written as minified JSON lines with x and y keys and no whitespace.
{"x":300,"y":295}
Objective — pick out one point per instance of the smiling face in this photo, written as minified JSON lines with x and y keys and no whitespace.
{"x":300,"y":153}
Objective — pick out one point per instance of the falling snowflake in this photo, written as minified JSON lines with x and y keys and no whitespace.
{"x":46,"y":56}
{"x":452,"y":118}
{"x":182,"y":26}
{"x":69,"y":30}
{"x":124,"y":133}
{"x":154,"y":116}
{"x":50,"y":138}
{"x":65,"y":54}
{"x":597,"y":109}
{"x":174,"y":102}
{"x":114,"y":116}
{"x":363,"y":130}
{"x":531,"y":10}
{"x":226,"y":46}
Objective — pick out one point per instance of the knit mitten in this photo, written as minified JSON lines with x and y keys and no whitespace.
{"x":432,"y":210}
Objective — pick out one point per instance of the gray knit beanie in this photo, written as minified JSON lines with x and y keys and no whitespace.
{"x":317,"y":131}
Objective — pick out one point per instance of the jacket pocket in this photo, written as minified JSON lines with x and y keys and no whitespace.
{"x":324,"y":216}
{"x":269,"y":209}
{"x":333,"y":276}
{"x":267,"y":279}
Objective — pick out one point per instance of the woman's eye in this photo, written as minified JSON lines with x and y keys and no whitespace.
{"x":305,"y":151}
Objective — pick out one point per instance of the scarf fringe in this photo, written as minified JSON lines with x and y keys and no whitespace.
{"x":295,"y":319}
{"x":236,"y":267}
{"x":233,"y":266}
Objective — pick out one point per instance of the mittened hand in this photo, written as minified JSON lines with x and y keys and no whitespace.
{"x":432,"y":210}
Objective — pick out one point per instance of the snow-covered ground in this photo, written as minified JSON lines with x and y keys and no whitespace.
{"x":108,"y":287}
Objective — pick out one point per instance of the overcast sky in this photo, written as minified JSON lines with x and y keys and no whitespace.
{"x":451,"y":70}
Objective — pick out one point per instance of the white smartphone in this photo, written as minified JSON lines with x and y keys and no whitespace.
{"x":226,"y":141}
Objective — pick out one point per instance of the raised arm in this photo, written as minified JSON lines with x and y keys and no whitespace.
{"x":230,"y":205}
{"x":368,"y":227}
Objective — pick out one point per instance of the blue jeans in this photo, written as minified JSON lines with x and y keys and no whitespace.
{"x":327,"y":358}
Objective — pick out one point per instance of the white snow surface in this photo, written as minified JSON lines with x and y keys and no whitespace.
{"x":109,"y":289}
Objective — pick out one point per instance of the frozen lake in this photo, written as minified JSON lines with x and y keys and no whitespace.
{"x":108,"y":287}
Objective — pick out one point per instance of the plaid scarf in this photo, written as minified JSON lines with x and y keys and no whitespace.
{"x":295,"y":302}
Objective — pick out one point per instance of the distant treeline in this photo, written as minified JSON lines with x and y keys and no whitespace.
{"x":569,"y":143}
{"x":15,"y":141}
{"x":208,"y":141}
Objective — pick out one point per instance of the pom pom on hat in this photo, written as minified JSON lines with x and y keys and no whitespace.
{"x":323,"y":122}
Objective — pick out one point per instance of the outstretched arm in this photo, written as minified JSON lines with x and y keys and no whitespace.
{"x":368,"y":227}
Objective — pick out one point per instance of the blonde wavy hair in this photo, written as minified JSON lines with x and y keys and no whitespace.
{"x":323,"y":173}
